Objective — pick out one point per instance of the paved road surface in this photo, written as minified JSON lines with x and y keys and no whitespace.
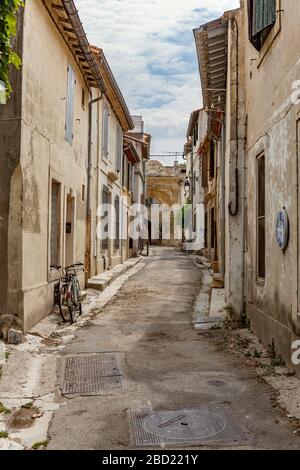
{"x":167,"y":365}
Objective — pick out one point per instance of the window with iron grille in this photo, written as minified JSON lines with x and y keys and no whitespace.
{"x":262,"y":17}
{"x":105,"y":200}
{"x":261,"y":218}
{"x":55,"y":224}
{"x":117,"y":211}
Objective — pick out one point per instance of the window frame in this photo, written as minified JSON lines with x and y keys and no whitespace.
{"x":259,"y":277}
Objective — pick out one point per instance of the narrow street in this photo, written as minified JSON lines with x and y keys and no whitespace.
{"x":166,"y":364}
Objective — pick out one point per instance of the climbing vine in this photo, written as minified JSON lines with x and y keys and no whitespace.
{"x":8,"y":28}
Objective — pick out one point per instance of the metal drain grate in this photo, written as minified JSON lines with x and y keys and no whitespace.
{"x":201,"y":425}
{"x":91,"y":374}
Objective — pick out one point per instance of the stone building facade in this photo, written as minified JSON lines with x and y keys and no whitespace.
{"x":253,"y":93}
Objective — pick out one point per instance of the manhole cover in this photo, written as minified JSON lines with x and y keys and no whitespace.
{"x":212,"y":423}
{"x":91,"y":374}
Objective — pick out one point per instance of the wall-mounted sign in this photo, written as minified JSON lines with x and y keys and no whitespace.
{"x":282,"y":229}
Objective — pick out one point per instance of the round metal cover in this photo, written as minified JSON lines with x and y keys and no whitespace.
{"x":185,"y":425}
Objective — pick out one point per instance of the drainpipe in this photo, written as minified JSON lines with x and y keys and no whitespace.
{"x":234,"y":212}
{"x":244,"y":208}
{"x":89,"y":181}
{"x":223,"y":248}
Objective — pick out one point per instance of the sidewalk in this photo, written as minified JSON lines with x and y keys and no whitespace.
{"x":28,"y":382}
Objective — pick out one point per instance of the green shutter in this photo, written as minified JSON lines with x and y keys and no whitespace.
{"x":264,"y":15}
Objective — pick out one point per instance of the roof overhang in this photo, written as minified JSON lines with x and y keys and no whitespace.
{"x":130,"y":150}
{"x":211,"y":44}
{"x":193,"y":119}
{"x":113,"y":91}
{"x":65,"y":17}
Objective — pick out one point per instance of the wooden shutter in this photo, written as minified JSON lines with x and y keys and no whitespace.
{"x":263,"y":15}
{"x":119,"y":148}
{"x":70,"y":104}
{"x":105,"y":130}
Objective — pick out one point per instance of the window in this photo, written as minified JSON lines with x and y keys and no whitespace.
{"x":124,"y":172}
{"x":204,"y":170}
{"x":119,"y":148}
{"x":205,"y":230}
{"x":261,"y":235}
{"x":83,"y":98}
{"x":117,"y":210}
{"x":70,"y":105}
{"x":105,"y":200}
{"x":212,"y":160}
{"x":55,"y":224}
{"x":195,"y":134}
{"x":105,"y":130}
{"x":262,"y":17}
{"x":129,"y":177}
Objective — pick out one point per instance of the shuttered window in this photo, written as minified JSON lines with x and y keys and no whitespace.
{"x":117,"y":210}
{"x":55,"y":224}
{"x":119,"y":148}
{"x":262,"y":16}
{"x":70,"y":104}
{"x":105,"y":200}
{"x":105,"y":130}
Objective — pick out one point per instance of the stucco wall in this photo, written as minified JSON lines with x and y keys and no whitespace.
{"x":273,"y":304}
{"x":11,"y":299}
{"x":234,"y":160}
{"x":46,"y":155}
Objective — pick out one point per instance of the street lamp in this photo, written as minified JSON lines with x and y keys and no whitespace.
{"x":187,"y":186}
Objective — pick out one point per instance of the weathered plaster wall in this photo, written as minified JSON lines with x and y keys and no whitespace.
{"x":46,"y":155}
{"x":234,"y":158}
{"x":273,"y":304}
{"x":11,"y":299}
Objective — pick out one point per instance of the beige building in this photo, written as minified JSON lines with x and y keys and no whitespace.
{"x":44,"y":156}
{"x":272,"y":122}
{"x":165,"y":187}
{"x":254,"y":87}
{"x":61,"y":141}
{"x":111,"y":119}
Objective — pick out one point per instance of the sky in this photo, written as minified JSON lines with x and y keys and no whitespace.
{"x":150,"y":48}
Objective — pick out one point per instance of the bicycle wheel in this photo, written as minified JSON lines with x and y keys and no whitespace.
{"x":78,"y":296}
{"x":73,"y":303}
{"x":63,"y":304}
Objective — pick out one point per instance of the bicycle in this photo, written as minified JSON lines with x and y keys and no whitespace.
{"x":67,"y":294}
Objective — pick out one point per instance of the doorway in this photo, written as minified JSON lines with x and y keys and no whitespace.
{"x":70,"y":230}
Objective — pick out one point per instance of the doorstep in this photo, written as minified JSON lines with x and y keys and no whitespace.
{"x":103,"y":280}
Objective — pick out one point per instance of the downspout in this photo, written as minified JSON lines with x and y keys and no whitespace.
{"x":234,"y":212}
{"x":223,"y":197}
{"x":244,"y":248}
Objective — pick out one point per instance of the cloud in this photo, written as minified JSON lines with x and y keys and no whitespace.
{"x":151,"y":50}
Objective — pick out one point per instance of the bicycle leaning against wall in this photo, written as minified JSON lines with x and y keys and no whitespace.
{"x":67,"y":293}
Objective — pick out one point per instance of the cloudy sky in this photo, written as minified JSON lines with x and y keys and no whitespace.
{"x":150,"y":47}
